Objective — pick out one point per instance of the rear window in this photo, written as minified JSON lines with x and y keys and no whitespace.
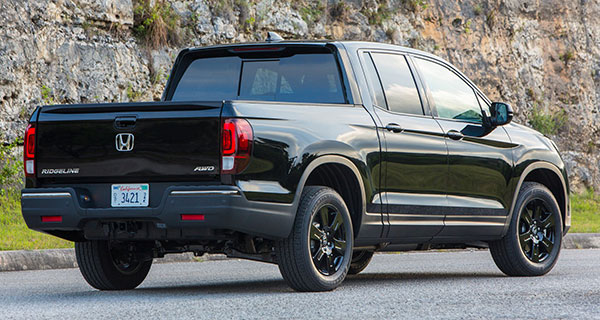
{"x":210,"y":79}
{"x":300,"y":78}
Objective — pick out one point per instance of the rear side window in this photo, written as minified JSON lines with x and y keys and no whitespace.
{"x":300,"y":78}
{"x":398,"y":83}
{"x":453,"y":98}
{"x":209,"y":79}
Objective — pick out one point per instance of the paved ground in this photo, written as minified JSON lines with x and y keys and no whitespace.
{"x":414,"y":285}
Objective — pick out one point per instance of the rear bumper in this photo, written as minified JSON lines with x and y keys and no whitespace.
{"x":223,"y":207}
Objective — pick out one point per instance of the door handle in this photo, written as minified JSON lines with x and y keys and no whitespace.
{"x":125,"y":122}
{"x":455,"y":135}
{"x":394,"y":127}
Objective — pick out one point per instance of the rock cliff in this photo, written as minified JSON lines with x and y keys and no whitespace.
{"x":543,"y":56}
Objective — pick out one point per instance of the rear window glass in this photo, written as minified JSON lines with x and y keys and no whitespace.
{"x":210,"y":79}
{"x":299,"y":78}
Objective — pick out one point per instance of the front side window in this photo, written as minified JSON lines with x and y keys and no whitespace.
{"x":453,"y":98}
{"x":398,"y":83}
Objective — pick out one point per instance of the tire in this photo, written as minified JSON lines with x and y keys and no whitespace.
{"x":102,"y":270}
{"x":316,"y":255}
{"x":360,"y":260}
{"x":532,"y":244}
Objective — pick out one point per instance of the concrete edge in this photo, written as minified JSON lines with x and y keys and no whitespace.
{"x":23,"y":260}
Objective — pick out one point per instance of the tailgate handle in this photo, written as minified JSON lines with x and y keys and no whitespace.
{"x":125,"y":122}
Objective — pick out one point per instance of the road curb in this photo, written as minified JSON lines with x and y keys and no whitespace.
{"x":23,"y":260}
{"x":582,"y":241}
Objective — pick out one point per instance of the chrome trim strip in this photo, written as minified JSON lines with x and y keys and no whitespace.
{"x":46,"y":195}
{"x":204,"y":192}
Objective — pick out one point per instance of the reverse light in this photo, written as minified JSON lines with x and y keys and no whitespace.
{"x":29,"y":150}
{"x":236,"y":145}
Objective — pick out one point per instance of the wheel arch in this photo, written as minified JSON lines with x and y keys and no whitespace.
{"x":550,"y":176}
{"x":342,"y":175}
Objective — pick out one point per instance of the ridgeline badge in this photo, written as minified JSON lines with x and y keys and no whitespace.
{"x":61,"y":171}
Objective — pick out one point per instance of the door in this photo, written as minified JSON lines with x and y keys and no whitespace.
{"x":414,"y":153}
{"x":479,"y":157}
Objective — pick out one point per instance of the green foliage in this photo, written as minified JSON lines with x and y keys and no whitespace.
{"x":547,"y":123}
{"x":591,"y":146}
{"x":379,"y":15}
{"x":477,"y":10}
{"x":567,"y":56}
{"x":11,"y":167}
{"x":47,"y":95}
{"x":416,"y":5}
{"x":157,"y":25}
{"x":585,"y":212}
{"x":312,"y":13}
{"x":467,"y":27}
{"x":133,"y":95}
{"x":339,"y":11}
{"x":490,"y":18}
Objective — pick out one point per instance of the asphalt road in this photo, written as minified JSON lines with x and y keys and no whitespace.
{"x":424,"y":285}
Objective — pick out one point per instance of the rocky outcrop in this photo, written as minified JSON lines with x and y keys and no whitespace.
{"x":541,"y":56}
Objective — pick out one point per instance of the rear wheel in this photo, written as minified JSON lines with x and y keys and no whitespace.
{"x":360,"y":260}
{"x":111,"y":266}
{"x":316,"y":255}
{"x":532,"y":243}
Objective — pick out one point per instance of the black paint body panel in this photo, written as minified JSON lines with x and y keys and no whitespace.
{"x":418,"y":185}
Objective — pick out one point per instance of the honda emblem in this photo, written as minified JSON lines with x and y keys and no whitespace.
{"x":124,"y":142}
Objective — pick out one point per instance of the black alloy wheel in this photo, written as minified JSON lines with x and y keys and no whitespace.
{"x":537,"y":231}
{"x":316,"y":255}
{"x":327,"y":240}
{"x":531,"y":245}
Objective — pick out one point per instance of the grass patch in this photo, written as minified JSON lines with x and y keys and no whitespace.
{"x":585,"y":212}
{"x":155,"y":23}
{"x":14,"y":234}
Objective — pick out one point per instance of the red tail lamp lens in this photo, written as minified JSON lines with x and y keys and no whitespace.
{"x":51,"y":218}
{"x":29,"y":150}
{"x":192,"y":217}
{"x":237,"y":142}
{"x":228,"y":138}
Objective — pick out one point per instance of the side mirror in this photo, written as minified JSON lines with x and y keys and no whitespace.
{"x":502,"y":113}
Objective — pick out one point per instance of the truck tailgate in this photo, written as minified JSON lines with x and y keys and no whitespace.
{"x":150,"y":141}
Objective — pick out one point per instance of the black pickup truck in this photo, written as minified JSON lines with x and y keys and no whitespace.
{"x":311,"y":155}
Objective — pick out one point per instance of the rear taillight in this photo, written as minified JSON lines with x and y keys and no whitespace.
{"x":29,"y":150}
{"x":236,"y":145}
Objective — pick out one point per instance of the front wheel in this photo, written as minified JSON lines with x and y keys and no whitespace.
{"x":532,"y":244}
{"x":317,"y":254}
{"x":111,"y":266}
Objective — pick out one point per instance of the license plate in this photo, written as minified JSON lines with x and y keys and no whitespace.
{"x":129,"y":195}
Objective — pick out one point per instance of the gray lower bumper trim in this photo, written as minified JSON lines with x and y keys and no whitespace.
{"x":46,"y":195}
{"x":204,"y":192}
